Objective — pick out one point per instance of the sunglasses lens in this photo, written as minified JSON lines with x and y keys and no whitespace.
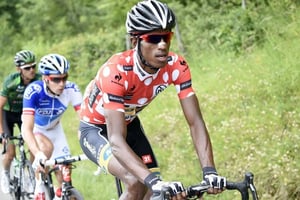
{"x":29,"y":67}
{"x":58,"y":79}
{"x":155,"y":39}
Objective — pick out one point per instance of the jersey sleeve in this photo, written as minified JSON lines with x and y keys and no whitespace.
{"x":9,"y":82}
{"x":112,"y":83}
{"x":75,"y":95}
{"x":31,"y":98}
{"x":3,"y":91}
{"x":181,"y":76}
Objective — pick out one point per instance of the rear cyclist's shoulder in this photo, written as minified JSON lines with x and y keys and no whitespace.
{"x":176,"y":59}
{"x":14,"y":78}
{"x":119,"y":60}
{"x":72,"y":86}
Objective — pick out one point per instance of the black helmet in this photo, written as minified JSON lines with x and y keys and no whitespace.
{"x":24,"y":57}
{"x":148,"y":16}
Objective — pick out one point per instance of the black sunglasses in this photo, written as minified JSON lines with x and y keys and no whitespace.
{"x":27,"y":68}
{"x":157,"y":37}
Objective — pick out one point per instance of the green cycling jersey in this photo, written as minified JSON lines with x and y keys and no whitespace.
{"x":13,"y":89}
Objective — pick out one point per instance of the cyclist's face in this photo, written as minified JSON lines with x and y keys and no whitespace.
{"x":57,"y":83}
{"x":28,"y":71}
{"x":155,"y":47}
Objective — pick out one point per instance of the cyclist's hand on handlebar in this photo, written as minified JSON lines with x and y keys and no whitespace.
{"x":39,"y":160}
{"x":3,"y":138}
{"x":217,"y":183}
{"x":172,"y":190}
{"x":162,"y":189}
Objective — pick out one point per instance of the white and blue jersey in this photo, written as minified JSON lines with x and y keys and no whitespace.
{"x":48,"y":109}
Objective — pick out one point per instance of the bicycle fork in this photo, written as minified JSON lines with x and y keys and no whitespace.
{"x":67,"y":179}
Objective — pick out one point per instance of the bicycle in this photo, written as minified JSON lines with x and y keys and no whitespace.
{"x":197,"y":191}
{"x":22,"y":177}
{"x":69,"y":192}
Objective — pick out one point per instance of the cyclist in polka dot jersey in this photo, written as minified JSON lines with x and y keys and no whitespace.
{"x":118,"y":86}
{"x":111,"y":132}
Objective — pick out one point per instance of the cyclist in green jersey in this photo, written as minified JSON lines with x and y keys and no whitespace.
{"x":11,"y":101}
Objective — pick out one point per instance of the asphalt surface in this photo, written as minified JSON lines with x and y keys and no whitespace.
{"x":3,"y":196}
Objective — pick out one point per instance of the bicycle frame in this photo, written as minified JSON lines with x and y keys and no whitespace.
{"x":65,"y":166}
{"x":17,"y":183}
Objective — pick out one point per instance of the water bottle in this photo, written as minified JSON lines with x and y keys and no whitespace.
{"x":16,"y":164}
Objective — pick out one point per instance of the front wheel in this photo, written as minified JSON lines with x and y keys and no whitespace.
{"x":72,"y":194}
{"x":28,"y":180}
{"x":15,"y":190}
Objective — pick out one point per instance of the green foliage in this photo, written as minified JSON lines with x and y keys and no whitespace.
{"x":229,"y":28}
{"x":245,"y":69}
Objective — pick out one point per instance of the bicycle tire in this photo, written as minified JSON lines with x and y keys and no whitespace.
{"x":28,"y":181}
{"x":49,"y":189}
{"x":72,"y":194}
{"x":15,"y":191}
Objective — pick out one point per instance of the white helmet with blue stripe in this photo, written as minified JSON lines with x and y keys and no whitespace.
{"x":53,"y":64}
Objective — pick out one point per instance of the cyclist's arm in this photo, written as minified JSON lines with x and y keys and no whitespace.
{"x":27,"y":132}
{"x":2,"y":103}
{"x":198,"y":130}
{"x":116,"y":129}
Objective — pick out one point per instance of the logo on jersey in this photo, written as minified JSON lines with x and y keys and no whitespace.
{"x":128,"y":67}
{"x":20,"y":88}
{"x":66,"y":150}
{"x":182,"y":62}
{"x":185,"y":85}
{"x":34,"y":88}
{"x":107,"y":153}
{"x":90,"y":147}
{"x":117,"y":79}
{"x":147,"y":159}
{"x":159,"y":88}
{"x":93,"y":95}
{"x":50,"y":111}
{"x":115,"y":98}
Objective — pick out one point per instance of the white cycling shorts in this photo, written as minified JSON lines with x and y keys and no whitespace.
{"x":58,"y":138}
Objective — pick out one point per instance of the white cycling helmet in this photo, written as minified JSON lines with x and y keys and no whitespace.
{"x":148,"y":16}
{"x":53,"y":64}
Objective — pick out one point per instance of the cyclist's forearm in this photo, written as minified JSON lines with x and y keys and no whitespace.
{"x":131,"y":162}
{"x":1,"y":122}
{"x":117,"y":131}
{"x":203,"y":146}
{"x":198,"y":130}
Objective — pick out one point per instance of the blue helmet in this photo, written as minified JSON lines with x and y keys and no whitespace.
{"x":53,"y":64}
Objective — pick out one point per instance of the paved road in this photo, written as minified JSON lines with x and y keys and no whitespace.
{"x":2,"y":196}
